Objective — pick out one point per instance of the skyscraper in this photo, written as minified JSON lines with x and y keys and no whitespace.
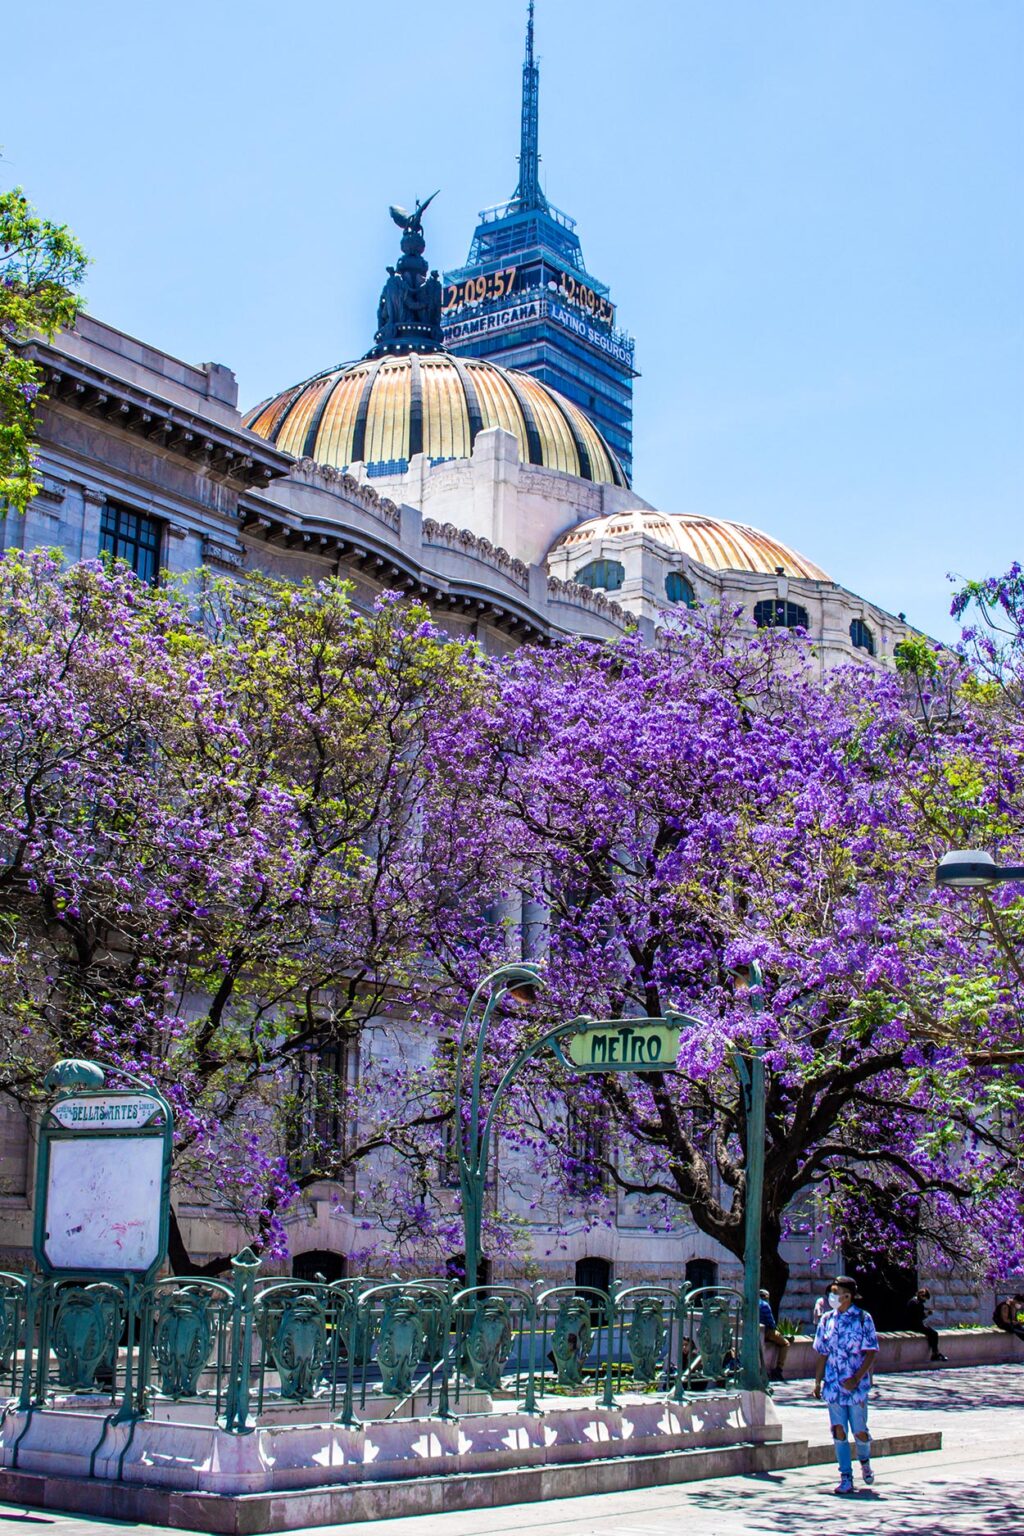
{"x":525,"y":299}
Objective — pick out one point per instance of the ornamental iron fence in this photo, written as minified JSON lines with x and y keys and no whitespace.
{"x":268,"y":1349}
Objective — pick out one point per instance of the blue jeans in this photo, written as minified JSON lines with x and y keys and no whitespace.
{"x":855,"y":1417}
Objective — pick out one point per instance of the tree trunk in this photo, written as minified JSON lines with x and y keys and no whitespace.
{"x":774,"y":1268}
{"x":729,"y":1232}
{"x":178,"y":1255}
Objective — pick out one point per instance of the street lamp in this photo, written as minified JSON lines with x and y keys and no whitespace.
{"x":520,"y":981}
{"x":751,"y":1074}
{"x":972,"y":867}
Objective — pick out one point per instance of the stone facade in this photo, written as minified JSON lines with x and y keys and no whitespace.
{"x":130,"y":427}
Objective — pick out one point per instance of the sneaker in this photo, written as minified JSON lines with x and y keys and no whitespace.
{"x":845,"y":1485}
{"x":867,"y":1472}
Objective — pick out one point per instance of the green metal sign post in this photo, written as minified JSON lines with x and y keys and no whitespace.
{"x":604,"y":1045}
{"x":751,"y":1075}
{"x":103,"y":1174}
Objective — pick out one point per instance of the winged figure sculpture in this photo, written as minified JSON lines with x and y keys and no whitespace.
{"x":411,"y":221}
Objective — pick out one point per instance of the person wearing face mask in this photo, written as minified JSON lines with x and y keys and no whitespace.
{"x":846,"y":1345}
{"x":821,"y":1306}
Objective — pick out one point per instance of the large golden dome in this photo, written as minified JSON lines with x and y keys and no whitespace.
{"x":715,"y":543}
{"x":382,"y":410}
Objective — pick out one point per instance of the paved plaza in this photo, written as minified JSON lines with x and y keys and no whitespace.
{"x":972,"y":1487}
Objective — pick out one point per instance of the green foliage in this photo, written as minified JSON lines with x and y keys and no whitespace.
{"x":917,"y":656}
{"x":41,"y":264}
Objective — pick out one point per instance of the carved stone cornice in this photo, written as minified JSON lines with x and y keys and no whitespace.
{"x":50,"y":492}
{"x":230,"y":557}
{"x":477,"y":546}
{"x":222,"y":451}
{"x":390,"y":564}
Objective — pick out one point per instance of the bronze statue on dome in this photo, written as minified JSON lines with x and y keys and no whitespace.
{"x":412,"y":223}
{"x":409,"y":311}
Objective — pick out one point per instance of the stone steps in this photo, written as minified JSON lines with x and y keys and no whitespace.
{"x":248,"y":1514}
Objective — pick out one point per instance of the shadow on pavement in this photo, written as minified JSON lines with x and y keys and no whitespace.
{"x":981,"y":1508}
{"x":938,"y":1391}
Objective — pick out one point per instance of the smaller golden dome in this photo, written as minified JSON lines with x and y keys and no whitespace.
{"x":712,"y":542}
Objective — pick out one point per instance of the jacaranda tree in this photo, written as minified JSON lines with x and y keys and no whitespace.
{"x":682,"y":810}
{"x":211,"y":863}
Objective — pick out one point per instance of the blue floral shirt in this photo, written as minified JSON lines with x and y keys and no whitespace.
{"x":844,"y":1338}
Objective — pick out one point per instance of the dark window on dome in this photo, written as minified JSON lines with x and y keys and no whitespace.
{"x":678,"y":589}
{"x":777,"y":613}
{"x":862,"y":637}
{"x":132,"y":537}
{"x":608,"y":574}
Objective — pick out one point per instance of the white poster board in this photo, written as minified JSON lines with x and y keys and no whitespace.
{"x":103,"y":1199}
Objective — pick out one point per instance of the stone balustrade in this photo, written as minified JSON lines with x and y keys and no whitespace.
{"x":909,"y":1351}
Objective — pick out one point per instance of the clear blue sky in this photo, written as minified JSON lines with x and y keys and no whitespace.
{"x":809,"y":213}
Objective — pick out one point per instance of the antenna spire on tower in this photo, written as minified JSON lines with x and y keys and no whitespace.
{"x":528,"y":193}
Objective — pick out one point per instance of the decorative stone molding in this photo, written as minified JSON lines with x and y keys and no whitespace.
{"x":477,"y":546}
{"x":50,"y":492}
{"x":230,"y":557}
{"x":381,"y":507}
{"x":228,"y":452}
{"x":586,"y":597}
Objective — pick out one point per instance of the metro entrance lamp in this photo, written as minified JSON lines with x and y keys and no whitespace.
{"x":969,"y":868}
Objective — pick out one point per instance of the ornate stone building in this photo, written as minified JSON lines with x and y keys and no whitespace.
{"x":479,"y":490}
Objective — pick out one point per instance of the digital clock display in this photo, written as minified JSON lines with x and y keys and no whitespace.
{"x":479,"y":290}
{"x":578,"y":293}
{"x":494,"y":286}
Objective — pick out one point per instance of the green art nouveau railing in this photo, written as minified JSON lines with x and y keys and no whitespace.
{"x":257,"y":1348}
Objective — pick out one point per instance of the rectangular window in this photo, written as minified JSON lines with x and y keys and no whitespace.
{"x":587,"y":1153}
{"x":132,"y":537}
{"x":318,"y":1126}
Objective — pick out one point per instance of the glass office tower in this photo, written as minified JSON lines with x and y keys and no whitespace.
{"x":524,"y":298}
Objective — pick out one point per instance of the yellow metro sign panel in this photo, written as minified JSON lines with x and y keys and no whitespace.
{"x":625,"y":1045}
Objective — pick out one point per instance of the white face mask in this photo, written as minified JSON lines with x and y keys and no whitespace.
{"x":833,"y":1300}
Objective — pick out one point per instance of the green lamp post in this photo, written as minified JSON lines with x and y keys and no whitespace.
{"x":751,"y":1074}
{"x":521,"y":981}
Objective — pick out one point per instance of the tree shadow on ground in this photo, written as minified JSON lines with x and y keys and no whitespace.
{"x":938,"y":1391}
{"x":985,"y":1507}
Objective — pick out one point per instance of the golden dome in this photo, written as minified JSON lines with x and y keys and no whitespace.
{"x":382,"y":410}
{"x":719,"y":545}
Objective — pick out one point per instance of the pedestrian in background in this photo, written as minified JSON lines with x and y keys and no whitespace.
{"x":820,"y":1307}
{"x":916,"y":1313}
{"x":771,"y":1335}
{"x":846,"y":1345}
{"x":1007,"y":1314}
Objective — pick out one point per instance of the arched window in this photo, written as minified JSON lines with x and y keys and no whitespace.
{"x":319,"y":1261}
{"x":862,"y":637}
{"x":778,"y":613}
{"x":678,"y":589}
{"x":607,"y":574}
{"x":701,"y":1272}
{"x":594,"y":1272}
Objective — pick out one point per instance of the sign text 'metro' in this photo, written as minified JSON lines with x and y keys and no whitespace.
{"x":639,"y":1045}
